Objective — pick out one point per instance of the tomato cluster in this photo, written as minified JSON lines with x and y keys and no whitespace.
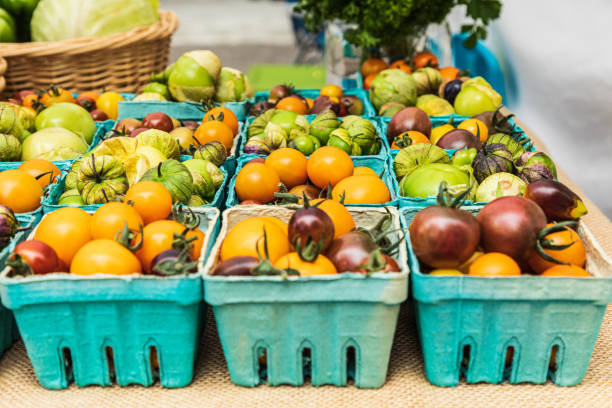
{"x":261,"y":180}
{"x":319,"y":239}
{"x":509,"y":237}
{"x":100,"y":105}
{"x":372,"y":66}
{"x":143,"y":234}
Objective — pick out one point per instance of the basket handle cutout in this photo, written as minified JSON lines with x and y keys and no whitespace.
{"x":154,"y":365}
{"x":110,"y":364}
{"x":307,"y":364}
{"x":67,"y":364}
{"x":261,"y":363}
{"x":351,"y":365}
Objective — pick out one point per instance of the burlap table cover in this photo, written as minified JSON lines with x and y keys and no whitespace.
{"x":406,"y":384}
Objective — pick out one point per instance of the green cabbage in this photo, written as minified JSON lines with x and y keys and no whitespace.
{"x":56,"y":20}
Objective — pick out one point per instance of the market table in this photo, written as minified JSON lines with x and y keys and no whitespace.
{"x":406,"y":383}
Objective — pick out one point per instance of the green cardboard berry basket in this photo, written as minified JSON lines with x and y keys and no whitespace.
{"x":380,"y":166}
{"x":330,"y":328}
{"x":8,"y":330}
{"x":102,"y":329}
{"x":178,"y":110}
{"x":468,"y":325}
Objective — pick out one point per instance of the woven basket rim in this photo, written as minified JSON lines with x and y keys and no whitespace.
{"x":168,"y":23}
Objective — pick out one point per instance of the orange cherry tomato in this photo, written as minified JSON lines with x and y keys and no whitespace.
{"x":409,"y":138}
{"x":367,"y":81}
{"x":339,"y":214}
{"x":449,"y":73}
{"x":65,"y":230}
{"x":372,"y":66}
{"x":290,"y":165}
{"x":425,"y":59}
{"x":320,"y":266}
{"x":403,"y":65}
{"x":36,"y":167}
{"x":151,"y":199}
{"x":229,"y":117}
{"x":104,"y":256}
{"x":293,"y":103}
{"x":328,"y":165}
{"x":256,"y":181}
{"x":247,"y":238}
{"x":361,"y":190}
{"x":19,"y":191}
{"x":445,"y":272}
{"x":89,"y":94}
{"x":110,"y":218}
{"x":30,"y":101}
{"x":332,"y":90}
{"x":214,"y":130}
{"x":309,"y":190}
{"x":158,"y":237}
{"x":567,"y":271}
{"x":477,"y":127}
{"x":575,"y":254}
{"x":494,"y":264}
{"x":56,"y":95}
{"x":364,"y":171}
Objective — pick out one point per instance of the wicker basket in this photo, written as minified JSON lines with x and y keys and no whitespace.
{"x":119,"y":62}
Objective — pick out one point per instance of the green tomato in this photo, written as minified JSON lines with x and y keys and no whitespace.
{"x":194,"y":75}
{"x":53,"y":144}
{"x":158,"y":88}
{"x":306,"y":144}
{"x":476,"y":96}
{"x":68,"y":116}
{"x":425,"y":180}
{"x":8,"y":30}
{"x":285,"y":119}
{"x":464,"y":157}
{"x":71,"y":197}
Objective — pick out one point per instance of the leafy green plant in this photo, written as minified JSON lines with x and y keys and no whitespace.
{"x":382,"y":23}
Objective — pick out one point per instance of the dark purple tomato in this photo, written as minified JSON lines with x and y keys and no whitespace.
{"x":279,"y":92}
{"x":459,"y":139}
{"x":158,"y":120}
{"x":8,"y":225}
{"x":310,"y":226}
{"x":450,"y":89}
{"x":173,"y":262}
{"x":510,"y":225}
{"x":324,"y":102}
{"x":558,"y":202}
{"x":444,"y":237}
{"x":98,"y":115}
{"x":409,"y":118}
{"x":86,"y":102}
{"x":236,"y":266}
{"x":351,"y":251}
{"x":33,"y":258}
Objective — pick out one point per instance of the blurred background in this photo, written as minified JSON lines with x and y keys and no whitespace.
{"x":557,"y":79}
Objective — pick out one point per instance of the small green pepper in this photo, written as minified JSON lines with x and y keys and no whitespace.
{"x":464,"y":157}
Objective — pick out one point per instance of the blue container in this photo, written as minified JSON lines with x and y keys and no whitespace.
{"x":8,"y":330}
{"x":328,"y":327}
{"x":102,"y":328}
{"x":177,"y":110}
{"x":468,"y":324}
{"x":368,"y":109}
{"x":380,"y":166}
{"x":384,"y":147}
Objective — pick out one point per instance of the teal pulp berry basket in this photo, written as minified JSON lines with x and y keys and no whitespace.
{"x":379,"y":165}
{"x":516,"y":329}
{"x":51,"y":199}
{"x":330,"y":328}
{"x":8,"y":330}
{"x":382,"y":154}
{"x":178,"y":110}
{"x":368,"y":109}
{"x":101,"y":329}
{"x":438,"y":121}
